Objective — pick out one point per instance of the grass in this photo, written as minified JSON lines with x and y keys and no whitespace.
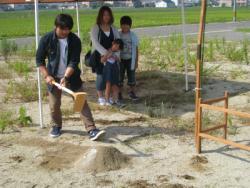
{"x":244,"y":30}
{"x":143,"y":17}
{"x":6,"y":119}
{"x":25,"y":91}
{"x":5,"y":72}
{"x":7,"y":48}
{"x":22,"y":68}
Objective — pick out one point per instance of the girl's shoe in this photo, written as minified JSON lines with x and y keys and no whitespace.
{"x":119,"y":104}
{"x":133,"y":96}
{"x":101,"y":101}
{"x":111,"y":101}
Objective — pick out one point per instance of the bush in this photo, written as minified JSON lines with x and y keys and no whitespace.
{"x":7,"y":48}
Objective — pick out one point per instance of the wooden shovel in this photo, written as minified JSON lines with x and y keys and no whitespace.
{"x":79,"y":97}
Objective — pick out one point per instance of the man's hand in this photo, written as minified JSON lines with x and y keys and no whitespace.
{"x":63,"y":82}
{"x":49,"y":79}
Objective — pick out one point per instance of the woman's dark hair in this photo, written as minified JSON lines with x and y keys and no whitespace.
{"x":119,"y":42}
{"x":126,"y":20}
{"x":99,"y":18}
{"x":64,"y":21}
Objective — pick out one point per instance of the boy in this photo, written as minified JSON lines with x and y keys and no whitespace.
{"x":111,"y":73}
{"x":63,"y":49}
{"x":129,"y":57}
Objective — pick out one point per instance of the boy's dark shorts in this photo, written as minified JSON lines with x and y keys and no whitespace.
{"x":125,"y":67}
{"x":111,"y":73}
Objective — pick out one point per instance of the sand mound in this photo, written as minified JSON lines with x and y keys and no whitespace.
{"x":102,"y":158}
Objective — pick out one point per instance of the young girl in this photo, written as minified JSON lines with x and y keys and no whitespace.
{"x":111,"y":73}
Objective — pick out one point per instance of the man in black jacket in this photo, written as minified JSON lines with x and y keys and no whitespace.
{"x":63,"y":49}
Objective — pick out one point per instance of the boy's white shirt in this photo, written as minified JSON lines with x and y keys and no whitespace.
{"x":135,"y":44}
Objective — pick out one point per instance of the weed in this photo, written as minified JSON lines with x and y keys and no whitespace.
{"x":237,"y":73}
{"x":5,"y":72}
{"x":245,"y":51}
{"x":233,"y":53}
{"x":7,"y":48}
{"x":210,"y":51}
{"x":24,"y":91}
{"x":23,"y":119}
{"x":6,"y":120}
{"x":21,"y":68}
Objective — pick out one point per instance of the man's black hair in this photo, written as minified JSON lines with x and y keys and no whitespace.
{"x":126,"y":20}
{"x":119,"y":42}
{"x":64,"y":21}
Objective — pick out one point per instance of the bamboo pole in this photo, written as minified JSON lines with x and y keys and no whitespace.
{"x":199,"y":128}
{"x":40,"y":105}
{"x":213,"y":128}
{"x":198,"y":64}
{"x":226,"y":110}
{"x":224,"y":141}
{"x":215,"y":100}
{"x":225,"y":114}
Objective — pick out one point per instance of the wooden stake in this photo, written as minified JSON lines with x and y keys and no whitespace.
{"x":199,"y":64}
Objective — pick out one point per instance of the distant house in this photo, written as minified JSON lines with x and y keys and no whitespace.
{"x":229,"y":3}
{"x":161,"y":4}
{"x":125,"y":3}
{"x":164,"y":4}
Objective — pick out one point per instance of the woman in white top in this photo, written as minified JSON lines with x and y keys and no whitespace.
{"x":102,"y":35}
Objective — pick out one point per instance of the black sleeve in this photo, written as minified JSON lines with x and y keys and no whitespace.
{"x":76,"y":52}
{"x":41,"y":52}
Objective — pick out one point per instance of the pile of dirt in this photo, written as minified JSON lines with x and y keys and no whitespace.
{"x":198,"y":162}
{"x":55,"y":155}
{"x":102,"y":158}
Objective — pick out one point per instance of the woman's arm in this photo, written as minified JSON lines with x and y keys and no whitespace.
{"x":95,"y":41}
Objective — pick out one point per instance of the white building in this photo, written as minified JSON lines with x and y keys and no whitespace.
{"x":161,"y":4}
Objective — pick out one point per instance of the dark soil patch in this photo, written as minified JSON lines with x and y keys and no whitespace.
{"x":140,"y":184}
{"x":198,"y":162}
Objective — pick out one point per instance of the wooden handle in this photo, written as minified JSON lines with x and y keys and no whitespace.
{"x":63,"y":88}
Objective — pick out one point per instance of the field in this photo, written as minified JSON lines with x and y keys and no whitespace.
{"x":22,"y":23}
{"x":149,"y":143}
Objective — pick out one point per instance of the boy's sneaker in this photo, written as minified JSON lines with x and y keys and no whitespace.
{"x":101,"y":101}
{"x":111,"y":101}
{"x":55,"y":132}
{"x":132,"y":96}
{"x":120,"y":98}
{"x":119,"y":104}
{"x":96,"y":134}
